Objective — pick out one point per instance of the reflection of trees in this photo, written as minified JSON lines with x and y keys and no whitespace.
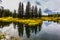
{"x":28,"y":29}
{"x":55,"y":21}
{"x":3,"y":24}
{"x":34,"y":29}
{"x":20,"y":29}
{"x":39,"y":26}
{"x":14,"y":24}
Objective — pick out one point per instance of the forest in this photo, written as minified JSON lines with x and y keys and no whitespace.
{"x":29,"y":12}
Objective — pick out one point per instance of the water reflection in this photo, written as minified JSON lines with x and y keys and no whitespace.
{"x":14,"y":25}
{"x":48,"y":30}
{"x":20,"y":29}
{"x":55,"y":21}
{"x":28,"y":29}
{"x":3,"y":24}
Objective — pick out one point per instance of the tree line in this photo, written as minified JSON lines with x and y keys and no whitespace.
{"x":29,"y":12}
{"x":54,"y":15}
{"x":5,"y":12}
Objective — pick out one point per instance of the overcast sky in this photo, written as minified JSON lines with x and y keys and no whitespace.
{"x":53,"y":5}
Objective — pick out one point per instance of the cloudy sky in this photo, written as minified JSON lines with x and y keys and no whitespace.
{"x":50,"y":5}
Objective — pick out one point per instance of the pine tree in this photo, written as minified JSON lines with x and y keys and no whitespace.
{"x":22,"y":9}
{"x":27,"y":14}
{"x":40,"y":13}
{"x":36,"y":11}
{"x":32,"y":12}
{"x":14,"y":15}
{"x":2,"y":10}
{"x":19,"y":10}
{"x":6,"y":13}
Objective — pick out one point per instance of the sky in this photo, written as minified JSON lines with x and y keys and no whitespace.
{"x":52,"y":5}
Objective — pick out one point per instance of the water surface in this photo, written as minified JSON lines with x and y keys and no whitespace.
{"x":47,"y":30}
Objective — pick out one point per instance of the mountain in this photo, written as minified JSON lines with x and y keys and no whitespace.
{"x":48,"y":11}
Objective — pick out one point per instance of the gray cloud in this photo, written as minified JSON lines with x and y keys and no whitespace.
{"x":38,"y":3}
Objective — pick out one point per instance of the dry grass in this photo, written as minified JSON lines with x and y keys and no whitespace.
{"x":25,"y":21}
{"x":30,"y":22}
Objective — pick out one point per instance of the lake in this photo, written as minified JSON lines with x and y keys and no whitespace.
{"x":47,"y":30}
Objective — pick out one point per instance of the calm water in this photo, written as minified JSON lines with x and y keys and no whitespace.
{"x":47,"y":30}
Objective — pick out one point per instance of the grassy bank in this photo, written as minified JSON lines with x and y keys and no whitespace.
{"x":30,"y":21}
{"x":25,"y":21}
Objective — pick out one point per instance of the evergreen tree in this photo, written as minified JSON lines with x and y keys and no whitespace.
{"x":2,"y":10}
{"x":32,"y":12}
{"x":27,"y":14}
{"x":19,"y":10}
{"x":14,"y":15}
{"x":36,"y":11}
{"x":6,"y":13}
{"x":40,"y":13}
{"x":22,"y":9}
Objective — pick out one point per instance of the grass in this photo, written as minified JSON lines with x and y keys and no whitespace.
{"x":30,"y":21}
{"x":25,"y":21}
